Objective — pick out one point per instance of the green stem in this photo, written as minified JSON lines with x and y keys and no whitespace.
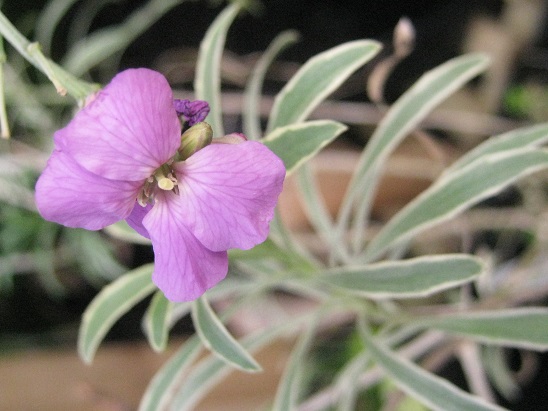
{"x":63,"y":81}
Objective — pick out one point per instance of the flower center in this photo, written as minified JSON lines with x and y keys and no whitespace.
{"x":163,"y":178}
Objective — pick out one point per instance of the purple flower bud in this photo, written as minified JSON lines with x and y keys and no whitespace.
{"x":192,"y":111}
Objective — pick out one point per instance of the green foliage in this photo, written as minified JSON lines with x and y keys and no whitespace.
{"x":317,"y":79}
{"x":395,"y":310}
{"x":456,"y":192}
{"x":306,"y":140}
{"x":435,"y":392}
{"x":156,"y":321}
{"x":414,"y":277}
{"x":217,"y":338}
{"x":109,"y":305}
{"x":207,"y":84}
{"x":518,"y":327}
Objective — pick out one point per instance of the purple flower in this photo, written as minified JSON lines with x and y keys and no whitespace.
{"x":118,"y":159}
{"x":193,"y":111}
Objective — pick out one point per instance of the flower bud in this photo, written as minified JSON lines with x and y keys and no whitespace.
{"x":191,"y":111}
{"x":404,"y":38}
{"x":195,"y":138}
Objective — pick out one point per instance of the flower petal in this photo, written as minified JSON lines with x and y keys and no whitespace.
{"x":70,"y":195}
{"x":135,"y":219}
{"x":184,"y":269}
{"x":228,"y":193}
{"x":128,"y":130}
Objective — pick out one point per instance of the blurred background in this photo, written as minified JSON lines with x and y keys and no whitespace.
{"x":48,"y":274}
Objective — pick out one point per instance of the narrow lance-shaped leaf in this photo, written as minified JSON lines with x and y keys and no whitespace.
{"x":216,"y":337}
{"x":103,"y":43}
{"x":252,"y":96}
{"x":156,"y":321}
{"x":316,"y":208}
{"x":269,"y":250}
{"x":433,"y":391}
{"x":290,"y":382}
{"x":60,"y":78}
{"x":48,"y":21}
{"x":412,"y":278}
{"x":207,"y":83}
{"x":523,"y":137}
{"x":456,"y":192}
{"x":297,"y":143}
{"x":158,"y":392}
{"x":212,"y":369}
{"x":318,"y":78}
{"x":516,"y":327}
{"x":404,"y":115}
{"x":109,"y":305}
{"x":347,"y":378}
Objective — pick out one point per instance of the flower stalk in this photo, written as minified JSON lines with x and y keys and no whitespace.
{"x":64,"y":82}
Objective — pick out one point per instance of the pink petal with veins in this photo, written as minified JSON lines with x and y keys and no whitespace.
{"x":70,"y":195}
{"x":183,"y":268}
{"x":228,"y":193}
{"x":128,"y":130}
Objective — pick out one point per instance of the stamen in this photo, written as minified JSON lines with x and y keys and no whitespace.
{"x":165,"y":178}
{"x":142,"y":199}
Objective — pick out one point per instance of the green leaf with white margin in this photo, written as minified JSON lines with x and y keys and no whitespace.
{"x":63,"y":80}
{"x":513,"y":327}
{"x":456,"y":192}
{"x":433,"y":391}
{"x":109,"y":305}
{"x":156,"y":322}
{"x":215,"y":336}
{"x":316,"y":209}
{"x":346,"y":380}
{"x":533,"y":136}
{"x":211,"y":370}
{"x":412,"y":278}
{"x":252,"y":95}
{"x":105,"y":42}
{"x":269,"y":250}
{"x":402,"y":117}
{"x":296,"y":143}
{"x":290,"y":382}
{"x":162,"y":314}
{"x":207,"y":83}
{"x":318,"y":78}
{"x":159,"y":392}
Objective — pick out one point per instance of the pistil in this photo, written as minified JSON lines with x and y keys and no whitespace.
{"x":165,"y":178}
